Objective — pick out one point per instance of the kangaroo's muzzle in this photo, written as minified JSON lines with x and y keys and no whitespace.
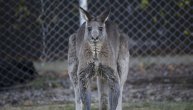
{"x":95,"y":35}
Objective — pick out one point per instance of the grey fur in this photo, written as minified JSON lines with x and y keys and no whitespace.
{"x":99,"y":50}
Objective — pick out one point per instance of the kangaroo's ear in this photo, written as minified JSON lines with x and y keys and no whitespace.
{"x":105,"y":15}
{"x":85,"y":14}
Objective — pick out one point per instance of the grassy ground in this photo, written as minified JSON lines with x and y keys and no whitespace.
{"x":128,"y":106}
{"x":61,"y":66}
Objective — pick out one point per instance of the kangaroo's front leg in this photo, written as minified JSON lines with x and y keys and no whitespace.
{"x":114,"y":86}
{"x":84,"y":76}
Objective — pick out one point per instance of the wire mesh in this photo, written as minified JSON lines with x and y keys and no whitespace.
{"x":155,"y":27}
{"x":38,"y":30}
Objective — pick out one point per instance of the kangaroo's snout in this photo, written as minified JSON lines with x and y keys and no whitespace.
{"x":95,"y":34}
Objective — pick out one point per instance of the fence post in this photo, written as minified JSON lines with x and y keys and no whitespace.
{"x":83,"y":4}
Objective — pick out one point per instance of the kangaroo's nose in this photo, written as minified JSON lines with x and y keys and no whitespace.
{"x":95,"y":35}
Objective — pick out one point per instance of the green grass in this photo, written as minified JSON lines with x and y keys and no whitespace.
{"x":127,"y":106}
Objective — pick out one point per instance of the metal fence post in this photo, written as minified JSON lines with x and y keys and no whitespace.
{"x":83,"y":4}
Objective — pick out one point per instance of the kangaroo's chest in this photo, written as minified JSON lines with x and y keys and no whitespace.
{"x":95,"y":49}
{"x":99,"y":53}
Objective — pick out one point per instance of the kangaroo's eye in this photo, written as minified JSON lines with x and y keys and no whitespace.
{"x":89,"y":28}
{"x":100,"y":28}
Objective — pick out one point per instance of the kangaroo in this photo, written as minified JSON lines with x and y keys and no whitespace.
{"x":98,"y":50}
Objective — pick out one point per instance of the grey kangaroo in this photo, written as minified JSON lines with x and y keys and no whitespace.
{"x":98,"y":50}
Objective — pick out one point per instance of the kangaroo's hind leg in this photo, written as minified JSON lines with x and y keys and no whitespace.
{"x":114,"y":93}
{"x":85,"y":75}
{"x":124,"y":72}
{"x":102,"y":93}
{"x":74,"y":80}
{"x":85,"y":94}
{"x":123,"y":66}
{"x":113,"y":85}
{"x":72,"y":70}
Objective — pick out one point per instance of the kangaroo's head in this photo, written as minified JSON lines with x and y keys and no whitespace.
{"x":95,"y":30}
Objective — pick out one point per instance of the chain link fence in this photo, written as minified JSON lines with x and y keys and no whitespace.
{"x":33,"y":32}
{"x":155,"y":27}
